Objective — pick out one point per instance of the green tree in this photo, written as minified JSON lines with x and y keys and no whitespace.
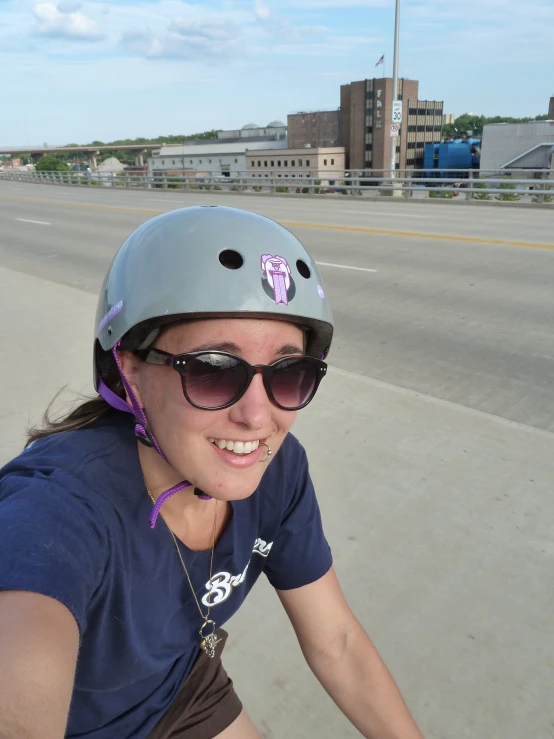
{"x":482,"y":186}
{"x":168,"y":139}
{"x":473,"y":124}
{"x":50,"y":163}
{"x":509,"y":196}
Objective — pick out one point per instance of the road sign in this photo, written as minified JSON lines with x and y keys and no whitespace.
{"x":397,"y":111}
{"x":394,"y":128}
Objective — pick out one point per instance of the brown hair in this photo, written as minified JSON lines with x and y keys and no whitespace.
{"x":92,"y":408}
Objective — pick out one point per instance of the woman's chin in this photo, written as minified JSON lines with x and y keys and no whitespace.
{"x":231,"y":489}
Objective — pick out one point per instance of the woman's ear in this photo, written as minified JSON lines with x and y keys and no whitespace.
{"x":130,"y":365}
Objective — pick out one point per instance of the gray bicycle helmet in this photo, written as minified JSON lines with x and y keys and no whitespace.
{"x":213,"y":262}
{"x":202,"y":262}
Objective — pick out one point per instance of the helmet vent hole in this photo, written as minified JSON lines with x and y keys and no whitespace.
{"x":231,"y":259}
{"x":304,"y":270}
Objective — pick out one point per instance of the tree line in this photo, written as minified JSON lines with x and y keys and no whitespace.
{"x":63,"y":162}
{"x":464,"y":125}
{"x":472,"y":125}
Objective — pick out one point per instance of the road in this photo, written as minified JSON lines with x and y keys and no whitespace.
{"x":439,"y":408}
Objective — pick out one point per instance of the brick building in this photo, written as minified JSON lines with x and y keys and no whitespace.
{"x":320,"y":129}
{"x":366,"y":118}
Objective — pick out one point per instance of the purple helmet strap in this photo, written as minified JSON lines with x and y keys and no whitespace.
{"x":141,"y":430}
{"x":142,"y":422}
{"x":163,"y":497}
{"x":121,"y":405}
{"x":114,"y":400}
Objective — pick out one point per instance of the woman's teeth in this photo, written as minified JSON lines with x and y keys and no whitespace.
{"x":238,"y":447}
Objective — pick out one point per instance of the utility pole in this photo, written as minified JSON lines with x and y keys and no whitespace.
{"x":394,"y":139}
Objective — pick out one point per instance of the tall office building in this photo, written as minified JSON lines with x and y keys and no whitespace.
{"x":366,"y":120}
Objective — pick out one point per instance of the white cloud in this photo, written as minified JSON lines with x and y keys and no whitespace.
{"x":172,"y":29}
{"x":210,"y":43}
{"x":282,"y":26}
{"x":261,"y":11}
{"x":507,"y":30}
{"x":60,"y":21}
{"x":69,"y":6}
{"x":217,"y":30}
{"x":338,"y":4}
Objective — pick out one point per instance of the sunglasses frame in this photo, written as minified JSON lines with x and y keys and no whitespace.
{"x":179,"y":363}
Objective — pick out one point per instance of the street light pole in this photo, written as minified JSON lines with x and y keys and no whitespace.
{"x":395,"y":85}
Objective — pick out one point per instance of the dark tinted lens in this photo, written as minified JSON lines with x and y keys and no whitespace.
{"x":213,"y":380}
{"x":293,"y":382}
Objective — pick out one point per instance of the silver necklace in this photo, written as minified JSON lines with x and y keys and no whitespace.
{"x":208,"y":638}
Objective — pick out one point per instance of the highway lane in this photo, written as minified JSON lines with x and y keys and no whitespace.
{"x":465,"y":321}
{"x":443,"y":217}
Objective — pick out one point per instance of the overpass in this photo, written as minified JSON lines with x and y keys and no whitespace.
{"x":90,"y":151}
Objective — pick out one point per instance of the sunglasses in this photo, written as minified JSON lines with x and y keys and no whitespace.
{"x":215,"y":380}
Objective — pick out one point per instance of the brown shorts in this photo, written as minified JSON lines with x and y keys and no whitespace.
{"x":205,"y":705}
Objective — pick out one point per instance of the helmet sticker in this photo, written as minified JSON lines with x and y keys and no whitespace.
{"x":277,"y":280}
{"x":320,"y":292}
{"x":117,"y":308}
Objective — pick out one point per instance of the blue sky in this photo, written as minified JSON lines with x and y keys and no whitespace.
{"x":79,"y":71}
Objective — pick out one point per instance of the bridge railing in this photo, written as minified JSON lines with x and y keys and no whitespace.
{"x":533,"y":186}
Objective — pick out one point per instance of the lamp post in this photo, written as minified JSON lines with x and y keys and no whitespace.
{"x":395,"y":85}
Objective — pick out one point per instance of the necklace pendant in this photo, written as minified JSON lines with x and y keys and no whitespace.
{"x":210,"y":641}
{"x":209,"y":644}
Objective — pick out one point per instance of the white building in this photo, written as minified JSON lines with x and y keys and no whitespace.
{"x":276,"y":129}
{"x":517,"y":146}
{"x":212,"y":157}
{"x":291,"y":165}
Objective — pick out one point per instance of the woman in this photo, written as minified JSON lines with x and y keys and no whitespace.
{"x":134,"y":528}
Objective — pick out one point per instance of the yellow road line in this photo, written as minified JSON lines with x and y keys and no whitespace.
{"x":299,"y":224}
{"x":418,"y":235}
{"x":84,"y":205}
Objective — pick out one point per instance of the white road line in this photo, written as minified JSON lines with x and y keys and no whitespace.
{"x":163,"y":200}
{"x":381,"y":213}
{"x":26,"y":220}
{"x":345,"y":266}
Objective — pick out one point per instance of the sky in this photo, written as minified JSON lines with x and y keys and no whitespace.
{"x":75,"y":72}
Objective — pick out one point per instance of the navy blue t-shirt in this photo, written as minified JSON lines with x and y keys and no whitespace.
{"x":74,"y":526}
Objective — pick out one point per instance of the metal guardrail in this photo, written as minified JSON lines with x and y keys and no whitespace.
{"x":538,"y":186}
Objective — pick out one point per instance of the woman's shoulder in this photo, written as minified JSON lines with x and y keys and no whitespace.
{"x":77,"y":462}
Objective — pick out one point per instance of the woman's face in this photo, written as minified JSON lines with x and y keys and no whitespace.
{"x":184,"y":432}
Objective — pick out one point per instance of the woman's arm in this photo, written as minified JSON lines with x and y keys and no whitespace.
{"x":345,"y":661}
{"x":39,"y":641}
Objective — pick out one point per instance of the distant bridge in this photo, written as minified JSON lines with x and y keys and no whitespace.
{"x":91,"y":152}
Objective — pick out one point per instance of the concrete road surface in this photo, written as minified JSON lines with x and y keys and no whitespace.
{"x":431,"y":441}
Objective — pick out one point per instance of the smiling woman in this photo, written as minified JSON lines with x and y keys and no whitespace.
{"x":211,"y":333}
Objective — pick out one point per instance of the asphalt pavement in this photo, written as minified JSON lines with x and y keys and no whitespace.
{"x":430,"y":441}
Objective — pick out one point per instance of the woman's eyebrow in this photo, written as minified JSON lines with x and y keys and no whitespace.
{"x":288,"y":349}
{"x":222,"y":346}
{"x":231,"y":348}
